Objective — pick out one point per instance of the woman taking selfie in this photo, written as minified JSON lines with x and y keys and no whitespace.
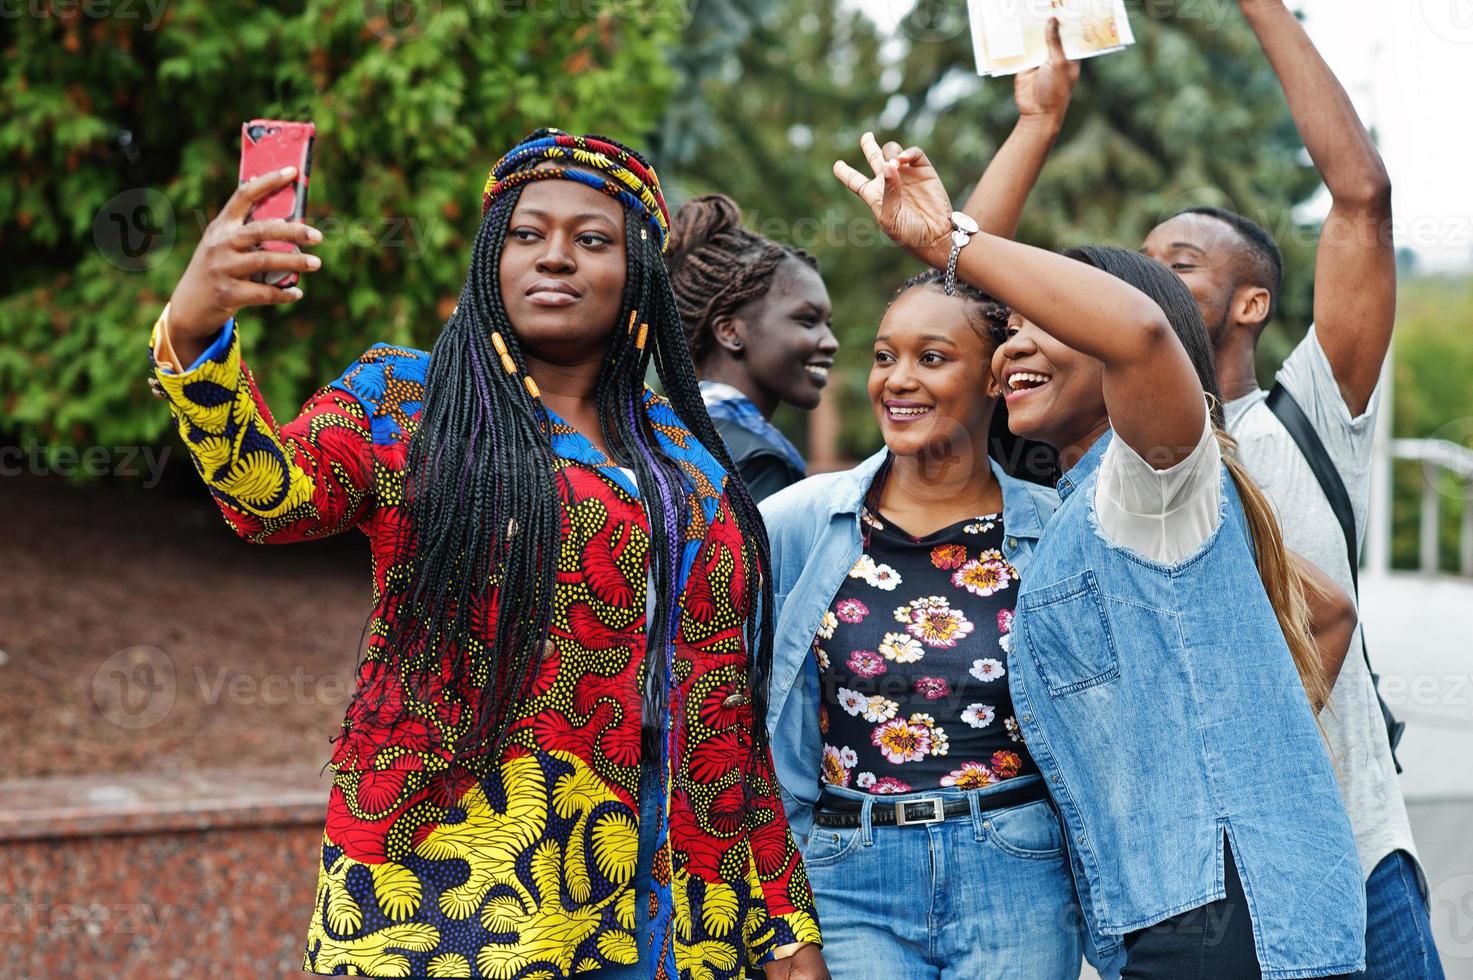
{"x":756,"y":316}
{"x":548,"y":765}
{"x":1163,"y":672}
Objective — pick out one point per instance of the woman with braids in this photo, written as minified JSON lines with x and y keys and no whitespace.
{"x":756,"y":315}
{"x":1163,"y":669}
{"x":554,"y":762}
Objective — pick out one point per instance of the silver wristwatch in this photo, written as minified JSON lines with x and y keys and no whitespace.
{"x":963,"y":227}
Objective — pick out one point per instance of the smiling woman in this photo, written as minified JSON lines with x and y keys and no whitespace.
{"x":562,"y":679}
{"x":1160,"y":594}
{"x":757,"y":316}
{"x":894,"y":707}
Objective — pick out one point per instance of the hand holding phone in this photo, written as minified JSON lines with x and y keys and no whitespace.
{"x":227,"y":267}
{"x":266,"y":146}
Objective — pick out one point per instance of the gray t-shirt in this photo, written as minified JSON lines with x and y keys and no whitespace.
{"x":1356,"y":733}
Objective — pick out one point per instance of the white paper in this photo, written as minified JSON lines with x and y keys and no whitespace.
{"x":1002,"y":33}
{"x":1010,"y":36}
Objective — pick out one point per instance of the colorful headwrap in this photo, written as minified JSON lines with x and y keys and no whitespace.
{"x":603,"y":164}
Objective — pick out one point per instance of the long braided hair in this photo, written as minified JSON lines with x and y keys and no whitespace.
{"x":482,"y":487}
{"x":717,"y":266}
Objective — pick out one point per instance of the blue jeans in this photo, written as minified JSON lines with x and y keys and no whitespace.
{"x":1398,"y":927}
{"x":973,"y":898}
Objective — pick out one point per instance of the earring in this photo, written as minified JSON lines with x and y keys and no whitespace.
{"x":736,"y":345}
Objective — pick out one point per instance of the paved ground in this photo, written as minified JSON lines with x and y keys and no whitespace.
{"x":1421,"y":635}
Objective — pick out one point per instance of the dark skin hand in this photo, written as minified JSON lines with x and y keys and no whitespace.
{"x":1332,"y":617}
{"x":1042,"y":96}
{"x":561,"y":277}
{"x":806,"y":964}
{"x":217,"y":283}
{"x":1355,"y":264}
{"x":778,"y":348}
{"x":1150,"y":387}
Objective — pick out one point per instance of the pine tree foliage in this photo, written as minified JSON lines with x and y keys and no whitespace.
{"x":120,"y":128}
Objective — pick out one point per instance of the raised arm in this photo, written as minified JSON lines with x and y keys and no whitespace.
{"x":1355,"y":270}
{"x":217,"y":284}
{"x":309,"y":478}
{"x":1152,"y":392}
{"x":1042,"y":96}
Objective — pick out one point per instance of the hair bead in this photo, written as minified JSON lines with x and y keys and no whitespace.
{"x":498,"y":343}
{"x":509,"y":364}
{"x":532,"y":388}
{"x":644,"y":330}
{"x":633,"y":315}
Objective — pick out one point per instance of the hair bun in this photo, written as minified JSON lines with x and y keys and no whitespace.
{"x":698,"y":221}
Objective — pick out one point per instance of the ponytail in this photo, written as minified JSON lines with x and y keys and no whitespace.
{"x":1288,"y":588}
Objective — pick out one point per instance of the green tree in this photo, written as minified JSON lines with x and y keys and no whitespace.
{"x":412,"y":106}
{"x":1431,"y":398}
{"x":1191,"y":115}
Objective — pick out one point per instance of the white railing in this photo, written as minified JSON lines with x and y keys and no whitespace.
{"x":1440,"y":458}
{"x":1444,"y":464}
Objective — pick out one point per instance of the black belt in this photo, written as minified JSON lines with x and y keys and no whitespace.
{"x":841,"y":812}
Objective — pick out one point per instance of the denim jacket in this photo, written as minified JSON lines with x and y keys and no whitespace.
{"x":814,"y":531}
{"x":1164,"y":711}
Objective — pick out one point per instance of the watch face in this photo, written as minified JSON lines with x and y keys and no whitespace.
{"x":964,"y":222}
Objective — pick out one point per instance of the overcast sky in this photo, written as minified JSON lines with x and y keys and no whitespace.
{"x":1409,"y":66}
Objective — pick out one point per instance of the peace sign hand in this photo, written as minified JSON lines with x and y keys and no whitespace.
{"x":907,"y":199}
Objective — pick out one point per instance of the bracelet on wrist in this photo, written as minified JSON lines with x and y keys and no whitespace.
{"x":963,"y":227}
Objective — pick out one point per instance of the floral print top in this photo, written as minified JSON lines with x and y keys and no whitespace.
{"x":913,"y":659}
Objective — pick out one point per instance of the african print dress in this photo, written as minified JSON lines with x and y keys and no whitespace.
{"x":526,"y":872}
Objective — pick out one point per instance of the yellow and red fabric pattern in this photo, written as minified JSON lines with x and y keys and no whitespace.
{"x":527,"y":871}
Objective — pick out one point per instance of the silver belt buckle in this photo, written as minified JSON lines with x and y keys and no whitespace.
{"x":938,"y":812}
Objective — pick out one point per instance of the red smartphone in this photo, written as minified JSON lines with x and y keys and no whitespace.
{"x":271,"y":144}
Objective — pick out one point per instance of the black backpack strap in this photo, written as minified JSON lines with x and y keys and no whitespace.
{"x":1301,"y":430}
